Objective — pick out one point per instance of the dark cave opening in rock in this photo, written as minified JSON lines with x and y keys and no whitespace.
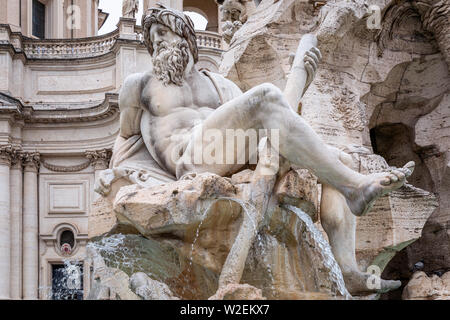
{"x":395,"y":143}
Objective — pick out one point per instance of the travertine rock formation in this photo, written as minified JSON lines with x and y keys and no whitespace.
{"x":149,"y":289}
{"x":422,"y":287}
{"x":238,"y":292}
{"x":196,"y":222}
{"x":385,"y":89}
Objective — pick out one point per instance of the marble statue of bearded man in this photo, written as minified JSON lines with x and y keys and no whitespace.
{"x":166,"y":112}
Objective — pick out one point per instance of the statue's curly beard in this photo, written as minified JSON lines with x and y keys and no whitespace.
{"x":170,"y":61}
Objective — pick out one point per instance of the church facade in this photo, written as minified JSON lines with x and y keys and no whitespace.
{"x":59,"y":85}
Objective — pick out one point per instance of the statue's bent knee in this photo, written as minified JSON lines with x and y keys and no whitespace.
{"x":266,"y":96}
{"x":271,"y":91}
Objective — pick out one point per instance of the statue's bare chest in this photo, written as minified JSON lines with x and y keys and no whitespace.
{"x":161,"y":100}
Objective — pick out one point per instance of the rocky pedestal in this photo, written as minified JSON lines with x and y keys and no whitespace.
{"x":173,"y":240}
{"x":180,"y":234}
{"x":422,"y":287}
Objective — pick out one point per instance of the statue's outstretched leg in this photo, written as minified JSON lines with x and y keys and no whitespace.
{"x":265,"y":107}
{"x":340,"y":225}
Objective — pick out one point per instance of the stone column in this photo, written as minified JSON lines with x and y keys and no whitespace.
{"x":96,"y":17}
{"x":5,"y":222}
{"x":100,"y":161}
{"x":59,"y":22}
{"x":30,"y":227}
{"x":16,"y":185}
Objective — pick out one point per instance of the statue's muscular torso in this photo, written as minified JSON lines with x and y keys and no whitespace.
{"x":165,"y":115}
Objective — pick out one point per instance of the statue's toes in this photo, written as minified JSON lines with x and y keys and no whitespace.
{"x":188,"y":176}
{"x":316,"y":52}
{"x":386,"y":181}
{"x":389,"y":285}
{"x":397,"y":175}
{"x":409,"y":168}
{"x":392,"y":178}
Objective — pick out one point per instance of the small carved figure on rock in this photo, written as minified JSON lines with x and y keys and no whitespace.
{"x":234,"y":15}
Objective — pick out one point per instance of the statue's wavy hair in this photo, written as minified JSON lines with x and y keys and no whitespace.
{"x":176,"y":21}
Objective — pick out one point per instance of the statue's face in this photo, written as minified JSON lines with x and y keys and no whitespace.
{"x":160,"y":33}
{"x":171,"y":54}
{"x":232,"y":10}
{"x":231,"y":15}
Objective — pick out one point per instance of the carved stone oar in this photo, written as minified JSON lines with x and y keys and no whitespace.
{"x":261,"y":187}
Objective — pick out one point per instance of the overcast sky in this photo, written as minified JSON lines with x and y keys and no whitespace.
{"x":114,"y":8}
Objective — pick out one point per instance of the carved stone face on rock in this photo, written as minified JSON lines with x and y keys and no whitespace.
{"x":171,"y":55}
{"x":233,"y":10}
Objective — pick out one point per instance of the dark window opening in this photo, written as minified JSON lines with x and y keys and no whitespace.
{"x":67,"y":282}
{"x":38,"y":19}
{"x":67,"y":237}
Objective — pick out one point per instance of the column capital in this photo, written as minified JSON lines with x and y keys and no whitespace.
{"x":9,"y":154}
{"x":31,"y":160}
{"x":99,"y":158}
{"x":16,"y":158}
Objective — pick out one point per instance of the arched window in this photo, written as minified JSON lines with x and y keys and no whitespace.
{"x":206,"y":8}
{"x":66,"y":242}
{"x":67,"y":237}
{"x":200,"y":22}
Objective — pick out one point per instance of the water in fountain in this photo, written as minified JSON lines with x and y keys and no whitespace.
{"x":324,"y":249}
{"x":247,"y":209}
{"x":67,"y":282}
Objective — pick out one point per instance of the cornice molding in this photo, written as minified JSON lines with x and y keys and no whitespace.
{"x":99,"y":159}
{"x":106,"y":109}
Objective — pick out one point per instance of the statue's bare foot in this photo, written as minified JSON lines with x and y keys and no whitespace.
{"x":188,"y":176}
{"x":376,"y":185}
{"x":359,"y":283}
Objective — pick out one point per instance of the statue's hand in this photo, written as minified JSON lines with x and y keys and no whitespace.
{"x":104,"y":182}
{"x":311,"y":59}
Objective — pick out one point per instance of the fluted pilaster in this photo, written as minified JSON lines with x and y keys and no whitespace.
{"x":16,"y":189}
{"x":6,"y":153}
{"x":30,"y":226}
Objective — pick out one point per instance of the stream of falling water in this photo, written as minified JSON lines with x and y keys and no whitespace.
{"x":67,"y":282}
{"x":113,"y":249}
{"x":324,"y":248}
{"x":250,"y":211}
{"x":247,"y":208}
